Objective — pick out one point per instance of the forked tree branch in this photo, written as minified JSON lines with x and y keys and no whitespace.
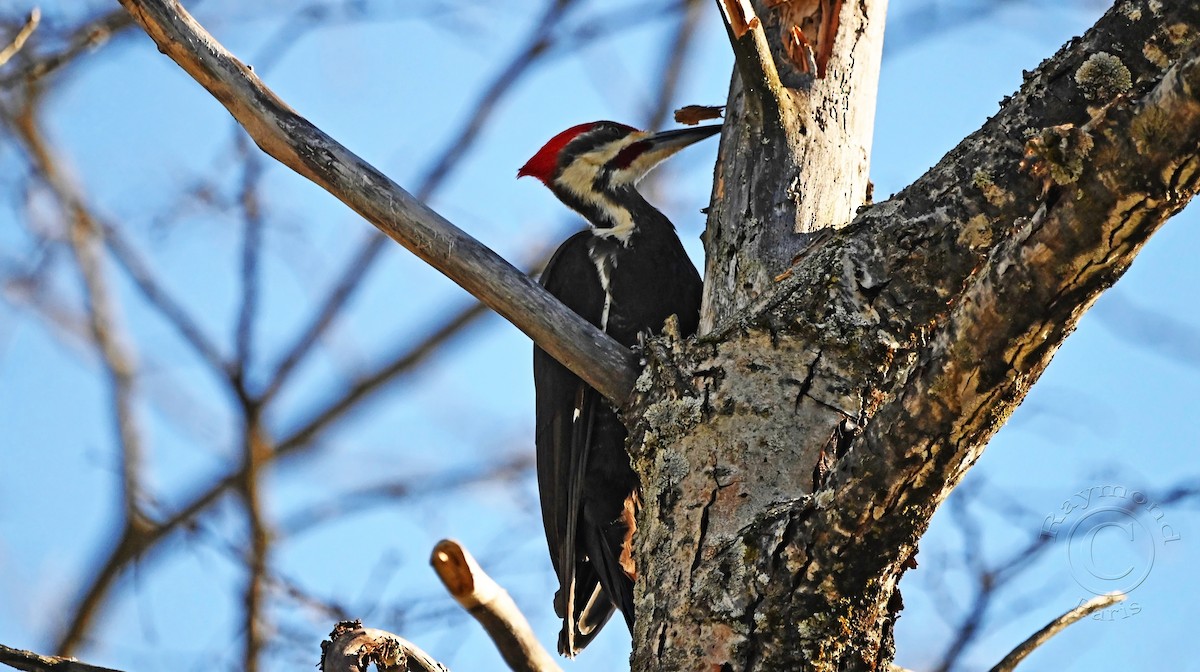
{"x":301,"y":146}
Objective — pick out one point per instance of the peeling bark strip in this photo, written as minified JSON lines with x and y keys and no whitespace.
{"x":293,"y":141}
{"x":817,"y":21}
{"x":924,"y":323}
{"x":739,"y":15}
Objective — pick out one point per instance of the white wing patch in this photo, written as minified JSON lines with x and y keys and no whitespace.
{"x":604,"y":261}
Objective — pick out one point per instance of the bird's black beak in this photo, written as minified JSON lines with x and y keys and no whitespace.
{"x":669,"y":142}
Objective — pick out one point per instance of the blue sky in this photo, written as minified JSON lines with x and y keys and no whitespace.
{"x":1113,"y":409}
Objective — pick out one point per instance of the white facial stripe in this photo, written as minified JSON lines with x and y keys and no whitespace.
{"x":580,"y":177}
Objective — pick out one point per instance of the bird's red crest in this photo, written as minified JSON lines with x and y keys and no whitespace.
{"x":543,"y":163}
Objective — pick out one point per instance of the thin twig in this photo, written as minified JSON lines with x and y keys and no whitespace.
{"x":412,"y":487}
{"x":86,"y":38}
{"x":1053,"y":628}
{"x":85,"y":238}
{"x":31,"y":24}
{"x":252,"y":226}
{"x":256,"y":454}
{"x":492,"y":606}
{"x":989,"y":580}
{"x":675,"y":57}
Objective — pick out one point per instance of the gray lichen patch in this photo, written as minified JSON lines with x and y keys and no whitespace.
{"x":645,"y":381}
{"x":1103,"y":77}
{"x":671,"y":418}
{"x":672,"y":469}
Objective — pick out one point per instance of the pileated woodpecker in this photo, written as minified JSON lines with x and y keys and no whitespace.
{"x":626,"y":274}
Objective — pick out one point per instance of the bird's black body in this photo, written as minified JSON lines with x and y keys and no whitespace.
{"x":626,"y":274}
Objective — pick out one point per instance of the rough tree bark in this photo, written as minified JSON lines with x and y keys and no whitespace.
{"x":792,"y":457}
{"x":848,"y":376}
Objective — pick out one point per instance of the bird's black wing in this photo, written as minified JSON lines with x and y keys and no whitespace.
{"x":566,"y":409}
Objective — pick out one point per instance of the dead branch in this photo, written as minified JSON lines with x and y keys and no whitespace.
{"x":753,"y":56}
{"x":289,"y":138}
{"x":33,"y":662}
{"x":492,"y":606}
{"x":353,"y":648}
{"x":1053,"y":628}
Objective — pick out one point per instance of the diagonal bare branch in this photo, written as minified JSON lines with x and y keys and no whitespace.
{"x":535,"y":48}
{"x":88,"y":37}
{"x":33,"y":662}
{"x":591,"y":354}
{"x":85,"y":238}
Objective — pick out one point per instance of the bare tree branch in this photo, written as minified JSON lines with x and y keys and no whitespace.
{"x":130,"y":547}
{"x":256,"y":454}
{"x":87,"y":37}
{"x":33,"y":662}
{"x":252,"y":231}
{"x":353,"y":648}
{"x":1054,"y":627}
{"x":674,"y":57}
{"x":31,"y":24}
{"x":492,"y":606}
{"x":84,"y":235}
{"x":509,"y":470}
{"x":989,"y":580}
{"x":592,"y":355}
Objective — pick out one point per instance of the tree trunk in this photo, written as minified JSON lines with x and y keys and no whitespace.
{"x":792,"y":457}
